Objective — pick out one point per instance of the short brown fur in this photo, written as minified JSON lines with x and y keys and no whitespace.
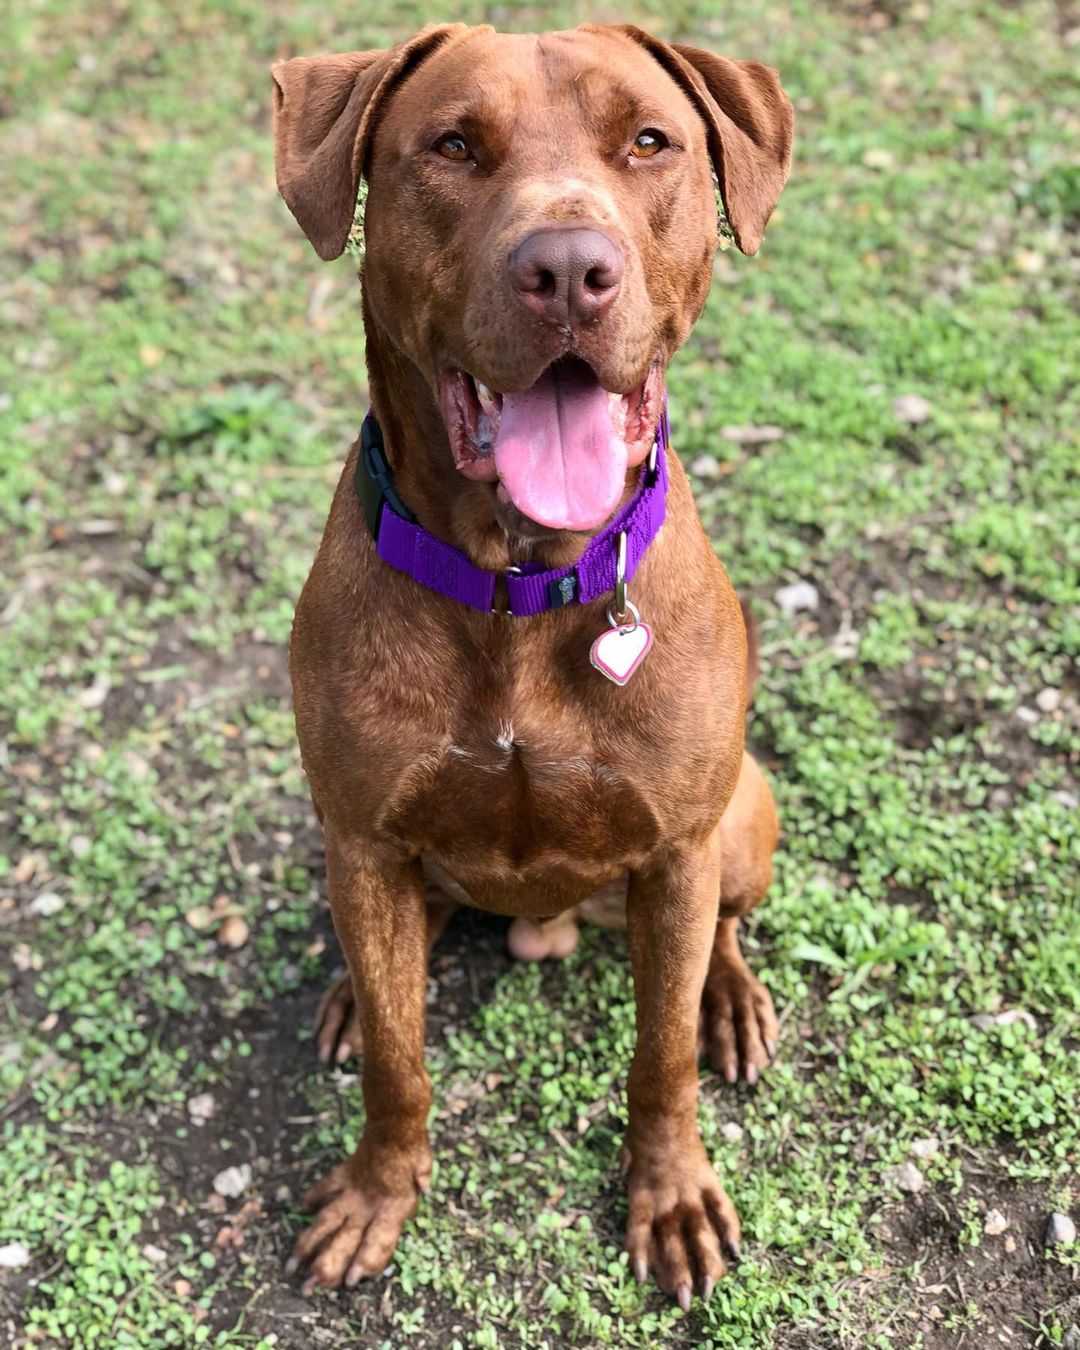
{"x":483,"y":752}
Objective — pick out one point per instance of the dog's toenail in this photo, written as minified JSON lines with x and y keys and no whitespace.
{"x":354,"y":1275}
{"x":731,"y":1072}
{"x":770,"y":1047}
{"x":309,"y":1286}
{"x":707,"y":1287}
{"x":751,"y":1074}
{"x":292,"y":1265}
{"x":683,"y":1295}
{"x":734,"y":1248}
{"x":639,"y":1269}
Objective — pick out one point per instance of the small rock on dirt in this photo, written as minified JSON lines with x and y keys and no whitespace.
{"x":156,"y":1254}
{"x":1060,"y":1231}
{"x":1048,"y":700}
{"x":926,"y":1148}
{"x":845,"y":642}
{"x":731,"y":1132}
{"x":201,"y":1108}
{"x":706,"y":467}
{"x":234,"y":932}
{"x":13,"y":1256}
{"x":877,"y":157}
{"x":906,"y":1177}
{"x":995,"y":1223}
{"x":800,"y":595}
{"x":752,"y":435}
{"x":232,"y":1182}
{"x":1030,"y":262}
{"x":911,"y":408}
{"x":94,"y":695}
{"x":47,"y":903}
{"x":1008,"y":1018}
{"x":24,"y":958}
{"x":137,"y":766}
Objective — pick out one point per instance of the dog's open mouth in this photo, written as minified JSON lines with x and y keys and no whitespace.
{"x":561,"y":448}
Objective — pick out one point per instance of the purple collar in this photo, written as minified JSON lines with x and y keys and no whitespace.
{"x":403,"y":543}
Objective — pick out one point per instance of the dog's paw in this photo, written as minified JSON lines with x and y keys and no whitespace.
{"x":337,"y":1024}
{"x":737,"y":1030}
{"x":360,"y":1209}
{"x":682,"y":1227}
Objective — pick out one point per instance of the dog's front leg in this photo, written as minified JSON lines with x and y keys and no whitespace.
{"x":680,"y":1222}
{"x":379,"y":915}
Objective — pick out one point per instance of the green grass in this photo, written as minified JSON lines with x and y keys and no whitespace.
{"x":179,"y":382}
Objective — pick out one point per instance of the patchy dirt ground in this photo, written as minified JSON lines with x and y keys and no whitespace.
{"x":179,"y":381}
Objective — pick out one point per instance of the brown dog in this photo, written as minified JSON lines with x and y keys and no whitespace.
{"x":540,"y":228}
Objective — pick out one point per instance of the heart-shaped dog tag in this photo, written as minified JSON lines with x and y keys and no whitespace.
{"x":618,"y":652}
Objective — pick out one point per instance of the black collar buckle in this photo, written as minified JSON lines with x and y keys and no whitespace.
{"x":373,"y":479}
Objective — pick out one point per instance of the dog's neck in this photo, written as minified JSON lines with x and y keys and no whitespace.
{"x":450,"y":506}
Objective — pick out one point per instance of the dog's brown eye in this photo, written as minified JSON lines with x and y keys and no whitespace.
{"x":648,"y":143}
{"x":453,"y":147}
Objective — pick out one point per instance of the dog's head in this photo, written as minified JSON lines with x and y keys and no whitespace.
{"x":540,"y":227}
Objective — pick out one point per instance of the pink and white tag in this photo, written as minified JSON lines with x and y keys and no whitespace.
{"x":618,"y":652}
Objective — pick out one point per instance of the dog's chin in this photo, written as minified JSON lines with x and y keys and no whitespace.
{"x":521,"y":530}
{"x":556,"y":453}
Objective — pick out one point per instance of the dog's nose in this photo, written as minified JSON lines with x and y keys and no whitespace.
{"x":567,"y":276}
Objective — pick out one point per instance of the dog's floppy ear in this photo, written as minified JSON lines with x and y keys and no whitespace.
{"x":748,"y":118}
{"x":324,"y":111}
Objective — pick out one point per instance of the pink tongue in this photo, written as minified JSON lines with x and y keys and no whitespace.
{"x":557,"y":454}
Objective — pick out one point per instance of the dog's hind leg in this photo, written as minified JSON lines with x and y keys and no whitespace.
{"x":738,"y":1028}
{"x":337,"y":1020}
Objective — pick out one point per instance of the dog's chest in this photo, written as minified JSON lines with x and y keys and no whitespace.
{"x":511,"y":801}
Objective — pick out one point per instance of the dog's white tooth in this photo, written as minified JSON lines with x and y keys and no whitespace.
{"x":483,"y":390}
